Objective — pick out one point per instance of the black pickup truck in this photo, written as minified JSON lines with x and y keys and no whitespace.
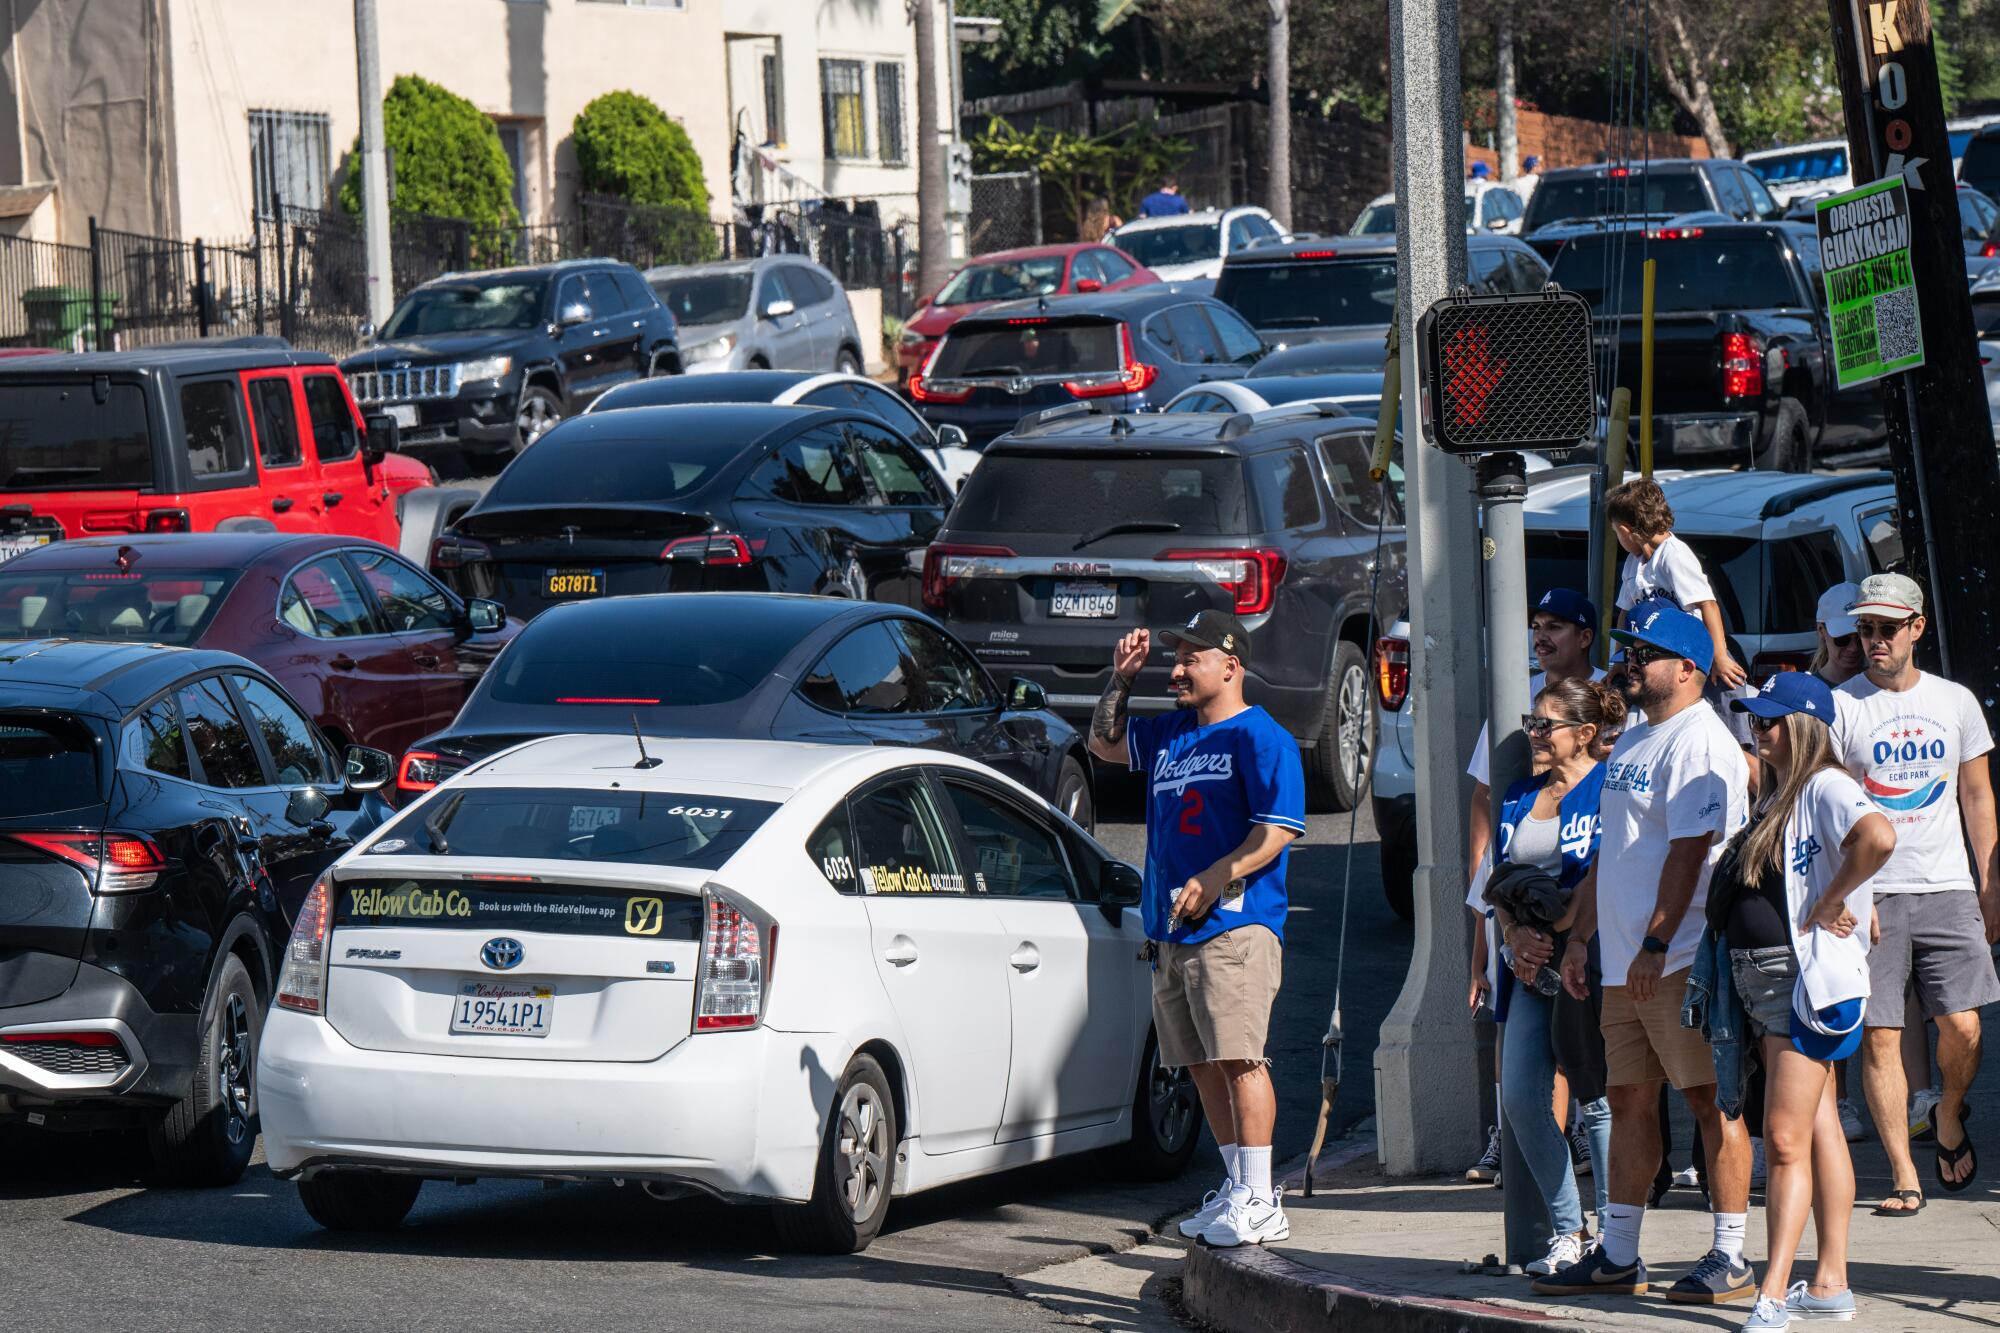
{"x":1742,"y":365}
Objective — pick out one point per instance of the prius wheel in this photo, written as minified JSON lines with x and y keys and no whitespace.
{"x":857,"y":1168}
{"x":1073,"y":796}
{"x":538,"y":413}
{"x":1166,"y":1123}
{"x":206,"y":1137}
{"x":359,"y":1200}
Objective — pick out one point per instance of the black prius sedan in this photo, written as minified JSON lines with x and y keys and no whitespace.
{"x":701,"y":497}
{"x":166,"y":813}
{"x":759,"y":666}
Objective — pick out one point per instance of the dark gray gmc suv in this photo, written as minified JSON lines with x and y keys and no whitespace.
{"x":1079,"y":527}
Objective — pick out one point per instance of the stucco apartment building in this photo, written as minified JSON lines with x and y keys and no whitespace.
{"x":186,"y":117}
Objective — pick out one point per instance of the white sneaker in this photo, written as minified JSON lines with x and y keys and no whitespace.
{"x":1212,"y":1205}
{"x":1921,"y":1108}
{"x":1851,"y":1127}
{"x":1248,"y":1220}
{"x":1687,"y":1178}
{"x":1564,"y":1250}
{"x":1756,"y":1163}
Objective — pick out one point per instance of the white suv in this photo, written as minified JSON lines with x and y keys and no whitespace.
{"x":1193,"y":245}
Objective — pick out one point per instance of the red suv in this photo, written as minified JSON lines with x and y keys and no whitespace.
{"x":1012,"y":275}
{"x":192,"y":439}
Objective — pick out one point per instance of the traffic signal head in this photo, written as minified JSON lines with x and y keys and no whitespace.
{"x":1508,"y":372}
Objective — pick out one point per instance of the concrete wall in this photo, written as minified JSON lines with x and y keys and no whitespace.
{"x":532,"y":61}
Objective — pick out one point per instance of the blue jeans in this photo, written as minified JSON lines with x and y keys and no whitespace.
{"x":1527,"y":1089}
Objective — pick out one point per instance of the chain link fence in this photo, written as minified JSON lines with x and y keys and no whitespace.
{"x":1006,"y":212}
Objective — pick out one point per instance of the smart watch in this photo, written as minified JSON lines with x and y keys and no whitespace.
{"x":1653,"y":944}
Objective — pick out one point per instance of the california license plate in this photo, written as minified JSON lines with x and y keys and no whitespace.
{"x":502,"y":1009}
{"x":403,"y":414}
{"x":13,"y":546}
{"x":573,"y":583}
{"x":1085,"y":601}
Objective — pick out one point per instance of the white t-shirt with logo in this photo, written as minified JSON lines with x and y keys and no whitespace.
{"x":1481,"y":768}
{"x":1672,"y":571}
{"x":1834,"y":969}
{"x":1679,"y":778}
{"x":1906,"y":746}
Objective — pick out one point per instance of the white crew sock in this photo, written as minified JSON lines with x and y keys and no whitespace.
{"x":1255,"y":1167}
{"x":1621,"y":1232}
{"x":1729,"y":1235}
{"x":1229,"y":1161}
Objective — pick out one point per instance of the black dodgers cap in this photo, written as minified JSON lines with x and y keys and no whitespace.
{"x":1213,"y":629}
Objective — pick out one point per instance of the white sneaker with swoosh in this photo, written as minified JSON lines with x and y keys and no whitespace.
{"x":1212,"y":1205}
{"x":1248,"y":1221}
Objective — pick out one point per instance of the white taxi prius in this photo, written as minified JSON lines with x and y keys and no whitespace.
{"x":810,"y":976}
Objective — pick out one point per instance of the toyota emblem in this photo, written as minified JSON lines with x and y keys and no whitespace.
{"x":501,"y":953}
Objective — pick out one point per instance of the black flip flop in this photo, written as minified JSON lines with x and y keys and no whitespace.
{"x":1906,"y":1196}
{"x":1953,"y":1156}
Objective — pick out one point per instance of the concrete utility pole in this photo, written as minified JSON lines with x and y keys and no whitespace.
{"x":1504,"y":93}
{"x":374,"y":167}
{"x":1427,"y":1076}
{"x":932,"y":259}
{"x":1940,"y":433}
{"x":1279,"y":80}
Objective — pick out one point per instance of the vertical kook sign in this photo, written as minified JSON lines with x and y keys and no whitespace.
{"x":1871,"y":291}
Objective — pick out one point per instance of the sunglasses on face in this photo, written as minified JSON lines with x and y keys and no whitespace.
{"x":1645,"y":657}
{"x":1541,"y":728}
{"x":1880,"y":629}
{"x":1760,"y":725}
{"x":1842,"y":642}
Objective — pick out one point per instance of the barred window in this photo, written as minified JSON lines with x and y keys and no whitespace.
{"x":774,"y":100}
{"x":290,"y":154}
{"x":889,"y":113}
{"x":842,"y":108}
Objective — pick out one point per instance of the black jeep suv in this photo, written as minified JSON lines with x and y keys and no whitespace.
{"x":490,"y":361}
{"x":167,"y":812}
{"x":1079,"y":527}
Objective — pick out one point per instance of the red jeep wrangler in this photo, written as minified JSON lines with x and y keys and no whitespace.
{"x":192,"y":439}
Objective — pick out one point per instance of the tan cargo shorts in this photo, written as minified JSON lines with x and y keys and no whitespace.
{"x":1212,"y":1000}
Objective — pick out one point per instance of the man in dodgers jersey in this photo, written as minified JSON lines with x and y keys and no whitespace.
{"x":1225,"y":797}
{"x":1919,"y":744}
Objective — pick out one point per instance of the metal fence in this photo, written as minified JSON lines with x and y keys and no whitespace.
{"x":1006,"y":212}
{"x":303,"y":275}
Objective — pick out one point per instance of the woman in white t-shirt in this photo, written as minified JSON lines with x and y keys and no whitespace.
{"x":1792,"y":898}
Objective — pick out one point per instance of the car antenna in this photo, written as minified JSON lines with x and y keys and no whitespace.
{"x":645,"y":760}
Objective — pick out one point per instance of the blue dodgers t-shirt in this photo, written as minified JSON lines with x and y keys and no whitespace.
{"x":1205,"y":787}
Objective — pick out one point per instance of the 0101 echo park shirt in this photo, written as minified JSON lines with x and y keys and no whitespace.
{"x":1680,"y":778}
{"x":1906,"y":746}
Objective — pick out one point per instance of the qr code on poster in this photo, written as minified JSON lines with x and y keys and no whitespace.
{"x":1896,"y":325}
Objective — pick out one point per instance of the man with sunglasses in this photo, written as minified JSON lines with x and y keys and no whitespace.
{"x":1675,"y":790}
{"x":1919,"y":745}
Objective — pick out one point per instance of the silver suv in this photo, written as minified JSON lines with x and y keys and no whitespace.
{"x":780,"y":312}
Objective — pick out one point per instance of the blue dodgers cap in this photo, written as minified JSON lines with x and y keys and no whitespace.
{"x":1832,"y":1033}
{"x":1571,"y":605}
{"x":1790,"y":692}
{"x":1658,"y":623}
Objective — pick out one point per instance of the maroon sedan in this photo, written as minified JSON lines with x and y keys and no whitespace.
{"x":373,"y":647}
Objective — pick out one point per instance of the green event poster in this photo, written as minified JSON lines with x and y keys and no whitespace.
{"x":1871,"y":289}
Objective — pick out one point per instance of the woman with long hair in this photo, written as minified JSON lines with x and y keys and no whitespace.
{"x":1098,"y":220}
{"x":1791,"y":902}
{"x":1545,"y":842}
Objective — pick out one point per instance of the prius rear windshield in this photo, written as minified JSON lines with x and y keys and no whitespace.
{"x":657,"y":828}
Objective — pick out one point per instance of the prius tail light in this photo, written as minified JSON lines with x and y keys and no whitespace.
{"x":733,"y":975}
{"x":302,"y":983}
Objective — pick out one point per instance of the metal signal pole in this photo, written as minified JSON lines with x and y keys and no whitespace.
{"x":374,"y":167}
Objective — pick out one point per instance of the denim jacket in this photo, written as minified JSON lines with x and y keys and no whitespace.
{"x":1713,"y":1009}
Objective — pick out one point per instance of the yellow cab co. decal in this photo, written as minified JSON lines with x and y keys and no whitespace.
{"x":644,"y":916}
{"x":909,"y":879}
{"x":407,"y":901}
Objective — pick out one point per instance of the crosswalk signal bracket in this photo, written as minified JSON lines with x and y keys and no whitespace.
{"x":1501,"y":373}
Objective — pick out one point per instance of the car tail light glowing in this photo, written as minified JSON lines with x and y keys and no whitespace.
{"x":423,"y":769}
{"x":711,"y":548}
{"x":1619,"y":171}
{"x":920,"y":383}
{"x":733,"y":977}
{"x":450,"y":552}
{"x":115,"y":862}
{"x":1250,"y":577}
{"x":1742,"y":366}
{"x":1674,"y":234}
{"x":302,"y":984}
{"x":1133,"y":375}
{"x":945,"y":565}
{"x":168,"y":520}
{"x":1316,"y":254}
{"x":1392,"y":672}
{"x":1990,"y":250}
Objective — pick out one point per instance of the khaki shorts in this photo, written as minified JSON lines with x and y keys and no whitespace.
{"x":1644,"y":1043}
{"x":1212,"y":1000}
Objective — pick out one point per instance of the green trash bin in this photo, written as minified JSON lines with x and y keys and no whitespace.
{"x":60,"y":317}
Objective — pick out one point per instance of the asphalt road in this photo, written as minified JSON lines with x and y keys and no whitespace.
{"x":83,"y":1243}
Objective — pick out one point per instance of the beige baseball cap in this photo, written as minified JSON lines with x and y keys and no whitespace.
{"x":1888,"y":595}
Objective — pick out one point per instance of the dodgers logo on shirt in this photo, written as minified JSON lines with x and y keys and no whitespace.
{"x":1803,"y":852}
{"x":1908,"y":757}
{"x":1170,"y":774}
{"x":1577,"y":831}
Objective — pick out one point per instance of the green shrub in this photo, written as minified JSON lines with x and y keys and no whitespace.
{"x":446,"y":157}
{"x":626,"y":146}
